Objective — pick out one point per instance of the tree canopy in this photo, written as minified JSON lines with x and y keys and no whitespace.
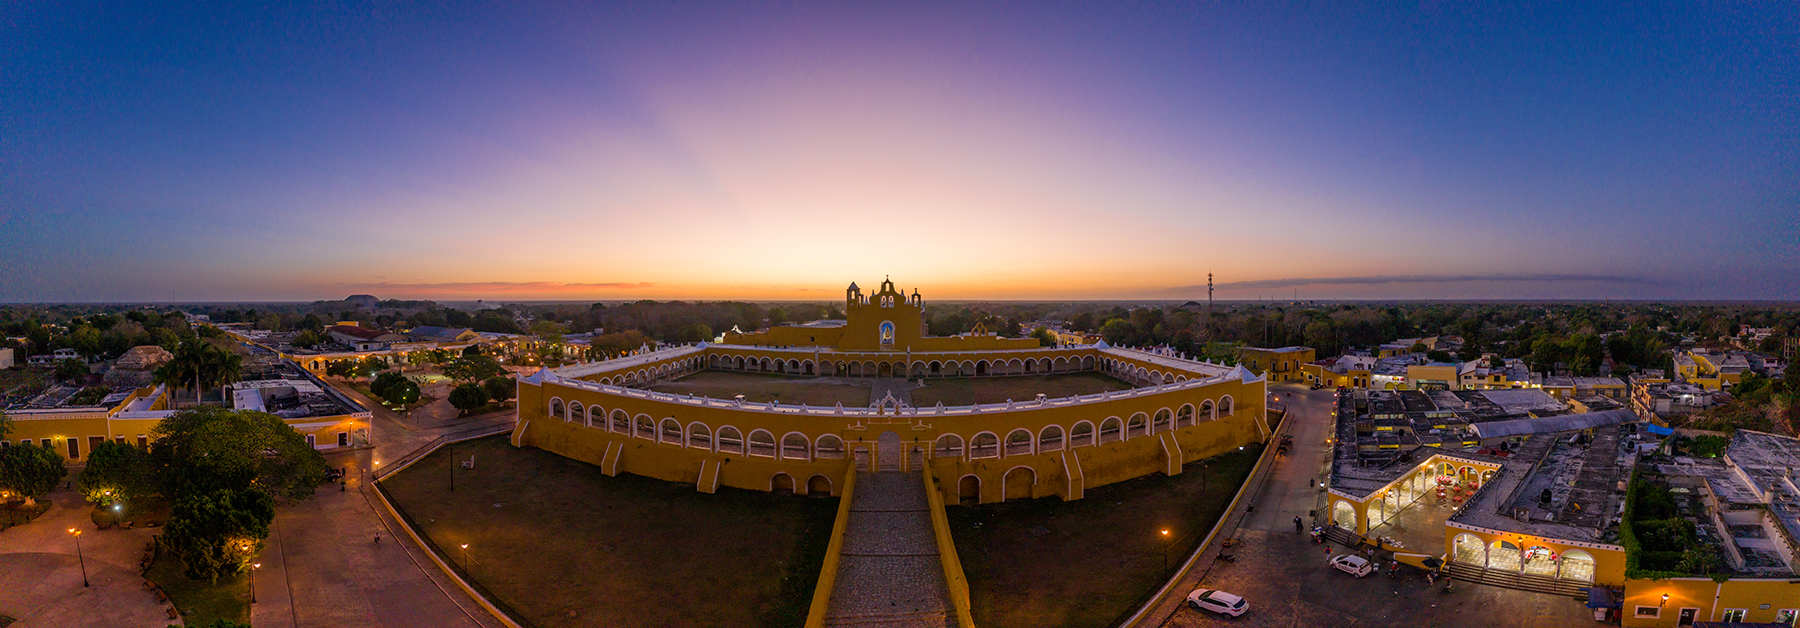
{"x":30,"y":470}
{"x":209,"y":449}
{"x":473,"y":369}
{"x":468,"y":397}
{"x":218,"y":532}
{"x":499,"y":389}
{"x":116,"y":471}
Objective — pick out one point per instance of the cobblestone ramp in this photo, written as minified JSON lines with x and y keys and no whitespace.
{"x":889,"y":574}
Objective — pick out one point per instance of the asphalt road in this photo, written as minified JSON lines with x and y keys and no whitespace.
{"x":1285,"y":577}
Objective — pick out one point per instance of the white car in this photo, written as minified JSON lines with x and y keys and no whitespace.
{"x":1353,"y":565}
{"x":1217,"y":601}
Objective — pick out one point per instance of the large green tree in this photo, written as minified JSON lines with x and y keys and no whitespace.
{"x":499,"y":389}
{"x":31,"y":471}
{"x":468,"y":397}
{"x":207,"y":449}
{"x":218,"y":532}
{"x":115,"y":471}
{"x":473,"y":369}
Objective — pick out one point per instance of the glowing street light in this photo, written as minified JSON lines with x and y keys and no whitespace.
{"x":253,"y":568}
{"x":83,"y":559}
{"x":465,"y":553}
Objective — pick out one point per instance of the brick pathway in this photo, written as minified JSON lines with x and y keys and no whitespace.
{"x":890,"y":574}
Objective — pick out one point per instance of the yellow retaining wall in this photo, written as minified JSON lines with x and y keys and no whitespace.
{"x":815,"y":616}
{"x":953,"y":571}
{"x":1262,"y":462}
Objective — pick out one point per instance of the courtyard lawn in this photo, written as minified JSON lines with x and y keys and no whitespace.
{"x":965,"y":391}
{"x":762,"y":387}
{"x":557,"y":543}
{"x":1047,"y":563}
{"x":200,"y":602}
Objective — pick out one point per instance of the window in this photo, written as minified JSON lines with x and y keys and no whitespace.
{"x":1734,"y":615}
{"x":1787,"y":616}
{"x":5,"y":444}
{"x":1651,"y":612}
{"x":47,"y":442}
{"x":343,"y":439}
{"x":312,"y":441}
{"x":74,"y":449}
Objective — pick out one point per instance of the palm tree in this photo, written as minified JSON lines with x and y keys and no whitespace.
{"x":202,"y":364}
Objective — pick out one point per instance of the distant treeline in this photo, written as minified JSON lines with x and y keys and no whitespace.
{"x":1547,"y":336}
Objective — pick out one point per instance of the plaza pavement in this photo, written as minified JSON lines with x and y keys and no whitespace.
{"x":1284,"y":575}
{"x":322,"y":566}
{"x":40,"y":572}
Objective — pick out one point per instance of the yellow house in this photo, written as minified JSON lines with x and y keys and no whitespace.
{"x":1434,"y":376}
{"x":76,"y":431}
{"x":1682,"y":601}
{"x":1347,"y":371}
{"x":1285,"y":364}
{"x":129,"y":418}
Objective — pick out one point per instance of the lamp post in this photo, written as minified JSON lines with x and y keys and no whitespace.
{"x":117,"y":513}
{"x":253,"y":568}
{"x":1166,"y":546}
{"x":79,"y":556}
{"x":452,"y":453}
{"x":465,"y":553}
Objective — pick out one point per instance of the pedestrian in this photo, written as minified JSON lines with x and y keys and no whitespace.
{"x":377,"y":538}
{"x":1369,"y":553}
{"x":1250,"y":509}
{"x":1328,"y":552}
{"x":1297,"y":528}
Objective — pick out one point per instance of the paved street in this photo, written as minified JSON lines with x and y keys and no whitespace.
{"x":322,"y":566}
{"x":1284,"y":575}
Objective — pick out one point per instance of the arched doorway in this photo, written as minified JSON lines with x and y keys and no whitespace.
{"x":818,"y":486}
{"x":1470,"y":550}
{"x":1018,"y":483}
{"x":1504,"y":556}
{"x":1344,"y":516}
{"x":781,"y":484}
{"x":888,"y":452}
{"x":968,"y":490}
{"x":1577,"y":565}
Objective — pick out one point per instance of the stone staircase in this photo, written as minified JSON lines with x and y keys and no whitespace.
{"x":889,"y":574}
{"x":1519,"y":581}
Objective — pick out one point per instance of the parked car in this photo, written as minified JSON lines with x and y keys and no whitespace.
{"x":1217,"y":601}
{"x":1353,"y":565}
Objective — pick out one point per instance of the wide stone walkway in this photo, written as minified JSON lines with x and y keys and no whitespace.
{"x":900,"y":388}
{"x":889,"y":574}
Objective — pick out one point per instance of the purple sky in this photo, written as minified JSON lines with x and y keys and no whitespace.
{"x":178,"y":151}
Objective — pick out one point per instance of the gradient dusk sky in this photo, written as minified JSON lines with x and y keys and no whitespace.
{"x":183,"y":151}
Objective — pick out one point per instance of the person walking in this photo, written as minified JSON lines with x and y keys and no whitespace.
{"x":1297,"y":528}
{"x":1327,"y":552}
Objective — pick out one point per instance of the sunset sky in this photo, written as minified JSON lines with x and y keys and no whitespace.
{"x":258,"y":151}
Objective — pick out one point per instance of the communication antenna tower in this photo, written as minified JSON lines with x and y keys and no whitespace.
{"x":1209,"y":298}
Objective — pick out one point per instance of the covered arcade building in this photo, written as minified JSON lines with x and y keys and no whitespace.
{"x":1172,"y":411}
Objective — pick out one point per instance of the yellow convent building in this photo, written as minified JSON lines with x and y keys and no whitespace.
{"x":1176,"y":411}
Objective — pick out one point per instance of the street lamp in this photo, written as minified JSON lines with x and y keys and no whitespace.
{"x":465,"y":552}
{"x":253,"y":568}
{"x":1665,"y":601}
{"x":117,"y":510}
{"x":83,"y":559}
